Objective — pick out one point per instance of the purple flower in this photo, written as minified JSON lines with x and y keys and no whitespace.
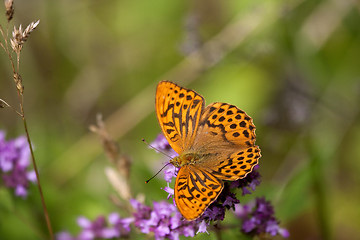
{"x":64,"y":236}
{"x":230,"y":200}
{"x":214,"y":212}
{"x":165,"y":221}
{"x":114,"y":227}
{"x":121,"y":224}
{"x":284,"y":232}
{"x":96,"y":229}
{"x":14,"y":162}
{"x":248,"y":183}
{"x":258,"y":217}
{"x":242,"y":211}
{"x":170,"y":172}
{"x":169,"y":190}
{"x":202,"y":227}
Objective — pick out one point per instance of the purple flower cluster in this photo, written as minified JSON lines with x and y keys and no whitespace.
{"x":14,"y":163}
{"x":258,"y":217}
{"x":248,"y":183}
{"x":165,"y":221}
{"x":114,"y":227}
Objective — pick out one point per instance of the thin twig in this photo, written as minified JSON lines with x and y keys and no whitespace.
{"x":1,"y":44}
{"x":11,"y":107}
{"x":6,"y":47}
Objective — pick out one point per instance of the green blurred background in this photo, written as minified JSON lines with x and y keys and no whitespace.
{"x":294,"y":66}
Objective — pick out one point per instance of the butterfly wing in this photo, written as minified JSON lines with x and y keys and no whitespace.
{"x":224,"y":125}
{"x":225,"y":140}
{"x":195,"y":189}
{"x":178,"y":111}
{"x":234,"y":166}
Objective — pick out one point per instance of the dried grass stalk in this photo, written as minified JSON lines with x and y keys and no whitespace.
{"x":18,"y":82}
{"x":9,"y":6}
{"x":112,"y":150}
{"x":119,"y":183}
{"x":3,"y":104}
{"x":19,"y":36}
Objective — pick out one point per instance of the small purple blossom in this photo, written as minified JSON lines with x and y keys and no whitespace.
{"x":248,"y":183}
{"x":230,"y":200}
{"x":170,"y":172}
{"x":214,"y":212}
{"x":122,"y":225}
{"x":14,"y":163}
{"x":258,"y":217}
{"x":170,"y":192}
{"x":114,"y":227}
{"x":202,"y":227}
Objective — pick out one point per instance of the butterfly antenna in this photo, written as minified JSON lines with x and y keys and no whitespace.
{"x":156,"y":173}
{"x":155,"y":148}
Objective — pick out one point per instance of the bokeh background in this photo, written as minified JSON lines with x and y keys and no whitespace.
{"x":291,"y":65}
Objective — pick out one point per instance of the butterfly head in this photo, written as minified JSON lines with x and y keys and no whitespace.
{"x":185,"y":159}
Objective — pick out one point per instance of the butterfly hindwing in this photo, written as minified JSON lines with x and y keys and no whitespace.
{"x":224,"y":126}
{"x":178,"y":110}
{"x":237,"y":165}
{"x":195,"y":189}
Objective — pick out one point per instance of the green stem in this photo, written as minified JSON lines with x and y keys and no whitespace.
{"x":217,"y":231}
{"x":319,"y":185}
{"x":37,"y":173}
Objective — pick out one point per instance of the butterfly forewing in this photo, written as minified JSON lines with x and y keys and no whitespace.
{"x":178,"y":111}
{"x":195,"y":189}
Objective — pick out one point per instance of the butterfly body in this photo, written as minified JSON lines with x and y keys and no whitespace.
{"x":214,"y":143}
{"x":185,"y":159}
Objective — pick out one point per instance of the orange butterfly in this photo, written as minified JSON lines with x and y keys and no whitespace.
{"x":214,"y":143}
